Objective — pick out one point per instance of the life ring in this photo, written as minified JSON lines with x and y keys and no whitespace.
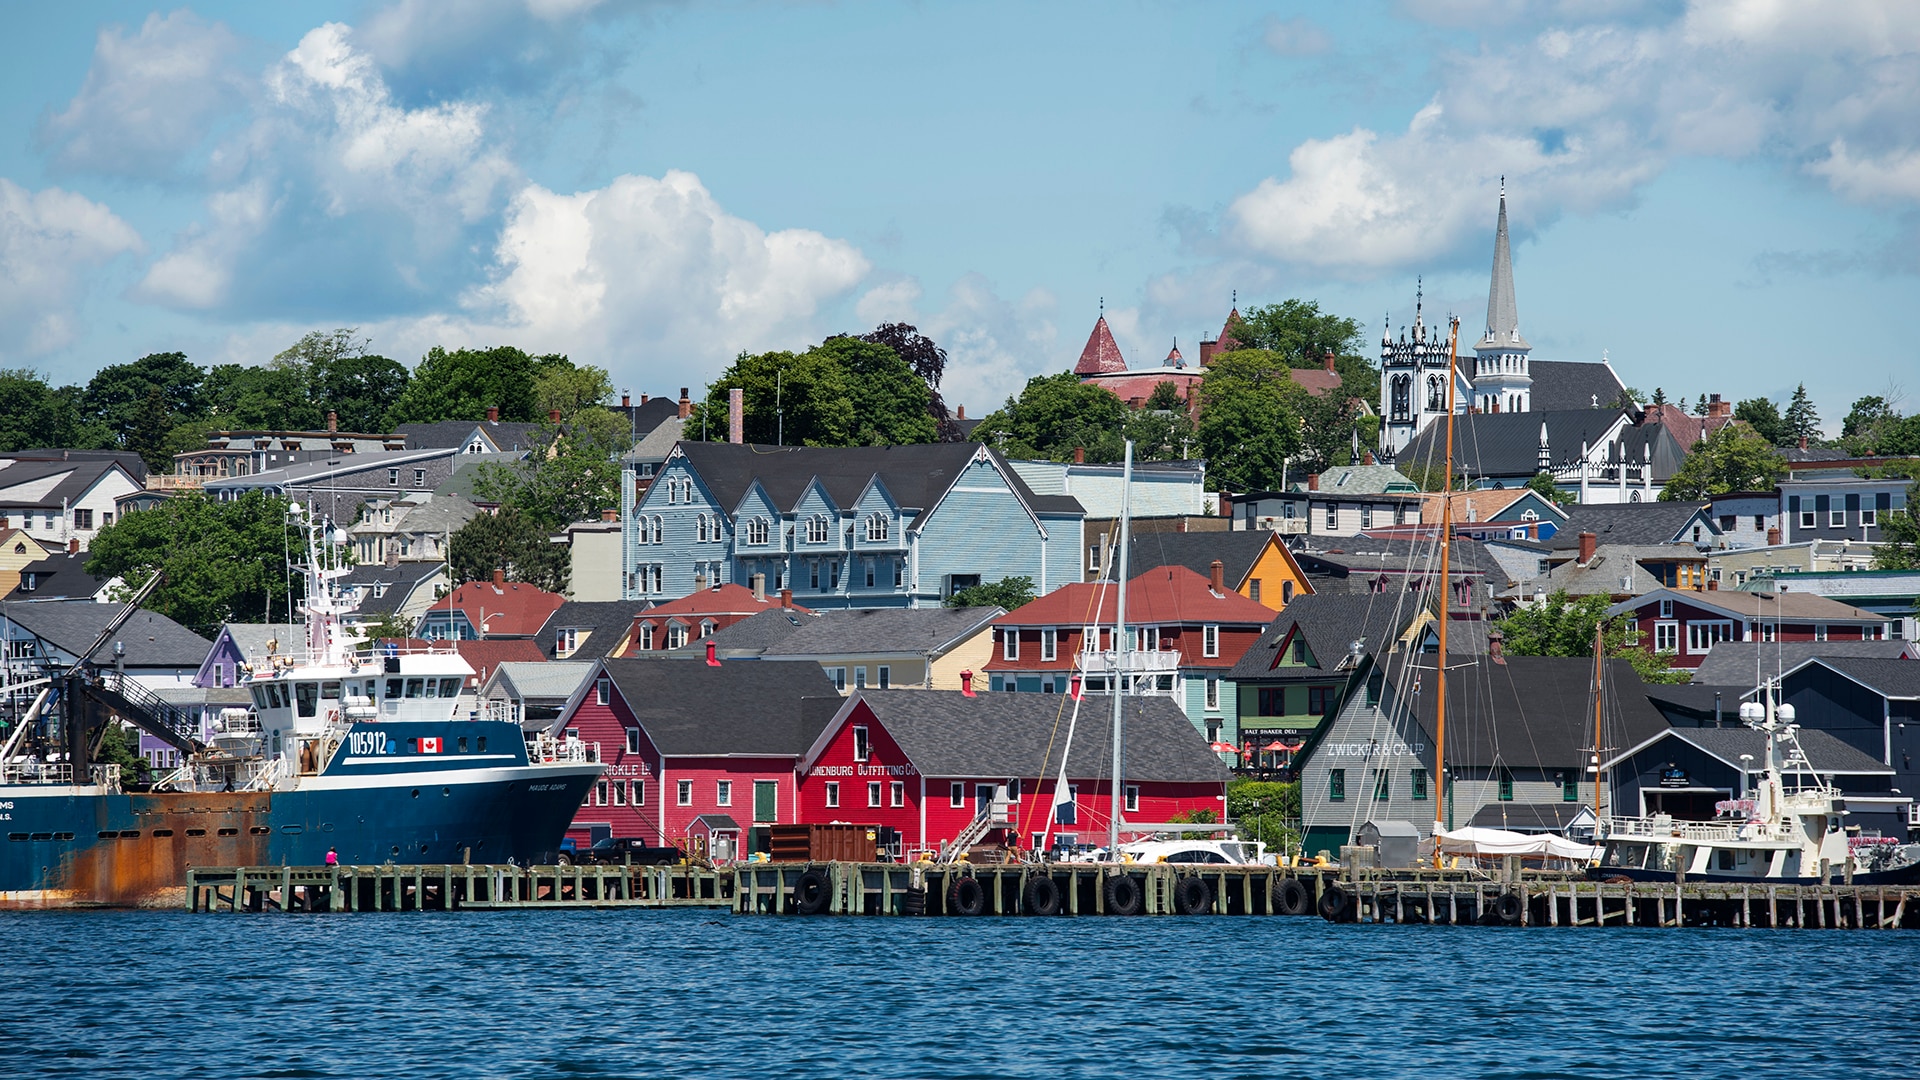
{"x":1041,"y":896}
{"x":1290,"y":897}
{"x":1508,"y":907}
{"x":1124,"y":895}
{"x":1193,"y":896}
{"x":811,"y":892}
{"x":966,"y":896}
{"x":1334,"y":903}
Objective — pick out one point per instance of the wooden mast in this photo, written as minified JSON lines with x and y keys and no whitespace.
{"x":1599,"y":693}
{"x":1446,"y":540}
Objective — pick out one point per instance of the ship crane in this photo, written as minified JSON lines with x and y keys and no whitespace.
{"x":91,"y":693}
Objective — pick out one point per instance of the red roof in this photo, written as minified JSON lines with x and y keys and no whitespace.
{"x":1226,"y":342}
{"x":1164,"y":595}
{"x":1129,"y":385}
{"x":726,"y":599}
{"x":508,"y":609}
{"x":486,"y":656}
{"x":1315,"y":381}
{"x":1174,"y":359}
{"x":1102,"y":353}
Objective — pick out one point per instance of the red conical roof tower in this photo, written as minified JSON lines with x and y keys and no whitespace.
{"x":1102,"y":354}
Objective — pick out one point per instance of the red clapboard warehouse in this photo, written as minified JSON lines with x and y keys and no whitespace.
{"x":684,"y":739}
{"x":1688,"y":624}
{"x":925,"y":762}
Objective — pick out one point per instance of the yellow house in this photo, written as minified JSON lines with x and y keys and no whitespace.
{"x":17,"y":550}
{"x":1253,"y":562}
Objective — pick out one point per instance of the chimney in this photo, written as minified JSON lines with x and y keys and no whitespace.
{"x":609,"y":514}
{"x":1717,"y":408}
{"x":1079,"y":455}
{"x":686,"y":404}
{"x":643,"y":399}
{"x":700,"y":581}
{"x":962,"y":414}
{"x":493,"y":414}
{"x":393,"y":555}
{"x":73,"y":546}
{"x":626,"y":400}
{"x":499,"y":578}
{"x":1497,"y":646}
{"x":1803,"y":442}
{"x":1773,"y":536}
{"x":1588,"y":542}
{"x":1313,"y":481}
{"x":1073,"y":686}
{"x":1367,"y":459}
{"x":1328,"y":359}
{"x":760,"y":588}
{"x":786,"y":598}
{"x":736,"y":415}
{"x":1225,"y":502}
{"x":333,"y":421}
{"x":553,"y":416}
{"x":712,"y":660}
{"x":1713,"y":586}
{"x":966,"y":682}
{"x":1217,"y":577}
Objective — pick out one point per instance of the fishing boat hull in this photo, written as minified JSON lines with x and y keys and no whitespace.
{"x":1903,"y":875}
{"x":69,"y":845}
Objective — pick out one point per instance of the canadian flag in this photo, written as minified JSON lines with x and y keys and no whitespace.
{"x":430,"y":745}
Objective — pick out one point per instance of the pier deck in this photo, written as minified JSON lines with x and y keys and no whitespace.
{"x":453,"y":887}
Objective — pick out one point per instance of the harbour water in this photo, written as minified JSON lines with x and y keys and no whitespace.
{"x":157,"y":994}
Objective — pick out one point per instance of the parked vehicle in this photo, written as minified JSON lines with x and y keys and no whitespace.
{"x":617,"y":850}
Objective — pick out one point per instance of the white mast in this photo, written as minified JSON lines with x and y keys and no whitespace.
{"x":1122,"y":650}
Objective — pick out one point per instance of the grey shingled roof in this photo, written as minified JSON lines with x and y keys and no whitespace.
{"x":1629,"y":523}
{"x":606,"y":620}
{"x":734,"y":709}
{"x":508,"y":436}
{"x":1691,"y":704}
{"x":1531,"y":711}
{"x":60,"y":576}
{"x":1361,"y":480}
{"x":883,"y":630}
{"x":750,"y":637}
{"x":151,"y":639}
{"x":1237,"y":551}
{"x":946,"y":733}
{"x":1508,"y":444}
{"x":400,"y":582}
{"x":1527,"y":817}
{"x":1825,"y":753}
{"x":1733,"y":663}
{"x":1614,"y":569}
{"x":1890,"y":678}
{"x":916,"y":475}
{"x":1567,"y":385}
{"x":547,"y":681}
{"x":80,"y":474}
{"x":655,"y":444}
{"x":1332,"y":622}
{"x":1354,"y":556}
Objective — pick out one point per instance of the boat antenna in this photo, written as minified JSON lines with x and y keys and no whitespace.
{"x":1121,"y":651}
{"x":1446,"y":538}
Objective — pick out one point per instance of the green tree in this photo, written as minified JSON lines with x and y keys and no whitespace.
{"x":278,"y":397}
{"x":138,"y":403}
{"x":1301,"y":334}
{"x":1544,"y":485}
{"x":512,"y":542}
{"x":1009,"y":593}
{"x":1659,"y":396}
{"x":891,"y":403}
{"x":222,"y":559}
{"x":1250,"y":420}
{"x":1163,"y":429}
{"x":1801,"y":420}
{"x":1763,"y":416}
{"x":387,"y":625}
{"x":566,"y":389}
{"x":929,"y":362}
{"x":1900,"y":537}
{"x":120,"y":746}
{"x":34,"y":414}
{"x":1053,"y":415}
{"x":463,"y":384}
{"x":1700,"y":406}
{"x":1731,"y":459}
{"x":1561,"y":626}
{"x":571,"y":473}
{"x":795,"y":399}
{"x":1266,"y":810}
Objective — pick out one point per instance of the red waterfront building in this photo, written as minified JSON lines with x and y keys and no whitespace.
{"x":1688,"y":623}
{"x":927,"y":762}
{"x":684,"y":739}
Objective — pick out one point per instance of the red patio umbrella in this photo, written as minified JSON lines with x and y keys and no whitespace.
{"x":1222,"y":747}
{"x":1276,"y":745}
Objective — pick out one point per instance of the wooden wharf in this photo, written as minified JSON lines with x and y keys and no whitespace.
{"x":453,"y":887}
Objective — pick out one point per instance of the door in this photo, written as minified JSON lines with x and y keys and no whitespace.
{"x":766,"y":800}
{"x":982,"y":800}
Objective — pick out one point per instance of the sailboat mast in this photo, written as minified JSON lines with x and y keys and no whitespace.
{"x":1446,"y":544}
{"x":1121,"y":650}
{"x":1599,"y":693}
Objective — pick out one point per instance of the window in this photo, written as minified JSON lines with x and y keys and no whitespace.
{"x":1068,"y":812}
{"x":860,"y":677}
{"x":676,"y":635}
{"x":1382,"y":786}
{"x":1210,"y":640}
{"x":1760,"y":522}
{"x":1319,"y":700}
{"x":1506,"y":785}
{"x":1299,"y":650}
{"x":886,"y":676}
{"x":1837,"y":515}
{"x":1666,"y":609}
{"x":873,"y":793}
{"x":646,"y":635}
{"x":1882,"y":505}
{"x":1570,"y":786}
{"x":1666,"y":637}
{"x":83,"y":519}
{"x":1272,"y":700}
{"x":757,"y":531}
{"x":1702,"y":635}
{"x":817,"y":529}
{"x":813,"y":576}
{"x":899,"y":572}
{"x":876,"y":528}
{"x":659,"y":537}
{"x":833,"y":574}
{"x":1366,"y":517}
{"x":897,"y":793}
{"x":1253,"y":590}
{"x":1820,"y":632}
{"x":564,"y":642}
{"x":633,"y":740}
{"x":1133,"y":798}
{"x":869,"y":564}
{"x":839,"y":677}
{"x":599,"y":793}
{"x":1213,"y":695}
{"x":1795,"y":507}
{"x":700,"y":528}
{"x":619,"y":793}
{"x":1048,"y":642}
{"x":1333,"y":516}
{"x":723,"y":793}
{"x":393,"y":477}
{"x":1726,"y":522}
{"x":1768,"y":631}
{"x":419,"y":478}
{"x":1336,"y":785}
{"x":639,"y":792}
{"x":685,"y":793}
{"x":1870,"y":515}
{"x":833,"y":794}
{"x":862,"y":747}
{"x":957,"y":796}
{"x":1093,"y":558}
{"x":1417,"y":782}
{"x":600,"y":691}
{"x":1010,"y":643}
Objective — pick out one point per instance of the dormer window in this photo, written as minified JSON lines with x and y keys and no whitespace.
{"x":876,"y":528}
{"x":817,"y":529}
{"x":757,"y":530}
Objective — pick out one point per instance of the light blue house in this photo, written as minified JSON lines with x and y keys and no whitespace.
{"x":855,"y":527}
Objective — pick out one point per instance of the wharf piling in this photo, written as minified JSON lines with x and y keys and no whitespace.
{"x":453,"y":887}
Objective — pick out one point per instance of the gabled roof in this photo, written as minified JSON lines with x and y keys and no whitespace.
{"x":1530,"y":817}
{"x":546,"y":681}
{"x":486,"y":655}
{"x":251,"y":639}
{"x":1484,"y":504}
{"x":751,"y":637}
{"x":1825,"y":753}
{"x":1615,"y":570}
{"x":988,"y":736}
{"x":511,"y":609}
{"x":1634,"y":523}
{"x":1102,"y":353}
{"x":741,"y":709}
{"x":151,"y":639}
{"x":1892,"y":678}
{"x":605,"y":621}
{"x":919,"y":631}
{"x":383,"y":589}
{"x":1362,"y":480}
{"x":1563,"y":385}
{"x":1531,"y":711}
{"x":1163,"y":595}
{"x":1508,"y":444}
{"x":724,"y":599}
{"x":1360,"y":556}
{"x":327,"y":467}
{"x":1685,"y":427}
{"x":657,"y":443}
{"x":1735,"y":663}
{"x":71,"y":480}
{"x":1238,"y":551}
{"x":1766,"y":607}
{"x":507,"y":436}
{"x":135,"y":465}
{"x":1332,"y":622}
{"x":60,"y":576}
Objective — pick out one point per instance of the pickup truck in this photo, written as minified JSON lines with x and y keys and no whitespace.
{"x":615,"y":850}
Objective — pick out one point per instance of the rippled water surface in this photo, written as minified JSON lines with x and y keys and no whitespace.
{"x":681,"y":993}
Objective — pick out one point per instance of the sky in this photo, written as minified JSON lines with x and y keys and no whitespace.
{"x":1717,"y":196}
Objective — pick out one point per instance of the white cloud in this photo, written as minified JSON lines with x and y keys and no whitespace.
{"x":149,"y":99}
{"x":1581,"y":112}
{"x":889,"y":302}
{"x":46,"y":238}
{"x":994,"y":344}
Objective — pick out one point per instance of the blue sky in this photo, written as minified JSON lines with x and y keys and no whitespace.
{"x":1720,"y":196}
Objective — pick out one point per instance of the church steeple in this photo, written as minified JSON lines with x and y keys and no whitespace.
{"x":1503,"y":312}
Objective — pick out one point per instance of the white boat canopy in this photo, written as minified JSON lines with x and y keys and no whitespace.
{"x":1494,"y":843}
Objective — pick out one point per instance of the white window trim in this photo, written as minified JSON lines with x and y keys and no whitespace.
{"x":957,"y":795}
{"x":1213,"y":695}
{"x":874,"y":794}
{"x":833,"y":794}
{"x":897,"y":793}
{"x":683,"y":793}
{"x":1210,"y":640}
{"x":1010,"y":643}
{"x":723,"y":793}
{"x":1049,"y":643}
